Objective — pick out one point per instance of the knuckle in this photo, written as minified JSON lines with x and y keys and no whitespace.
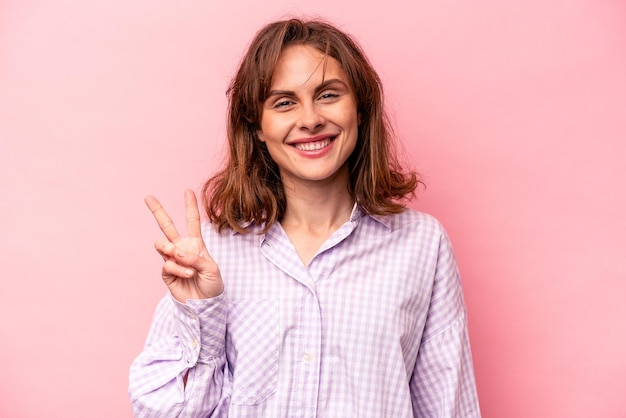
{"x":166,"y":224}
{"x":170,"y":267}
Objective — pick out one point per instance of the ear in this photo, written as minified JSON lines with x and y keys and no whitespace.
{"x":259,"y":134}
{"x":358,"y":118}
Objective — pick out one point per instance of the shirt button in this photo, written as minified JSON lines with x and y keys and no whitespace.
{"x":194,"y":343}
{"x":306,"y":357}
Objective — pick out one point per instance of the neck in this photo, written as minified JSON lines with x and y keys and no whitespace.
{"x":319,"y":208}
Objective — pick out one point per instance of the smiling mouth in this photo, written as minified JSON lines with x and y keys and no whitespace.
{"x":314,"y":146}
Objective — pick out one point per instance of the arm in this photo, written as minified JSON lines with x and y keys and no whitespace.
{"x":442,"y":384}
{"x":181,"y":369}
{"x":180,"y":372}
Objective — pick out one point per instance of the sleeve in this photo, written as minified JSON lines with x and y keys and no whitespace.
{"x":442,"y":384}
{"x":183,"y":339}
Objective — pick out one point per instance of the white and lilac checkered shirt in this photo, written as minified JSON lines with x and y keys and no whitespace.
{"x":375,"y":327}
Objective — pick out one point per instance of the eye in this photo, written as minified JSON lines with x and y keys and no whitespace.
{"x":282,"y":103}
{"x":328,"y":96}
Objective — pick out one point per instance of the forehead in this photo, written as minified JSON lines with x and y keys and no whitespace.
{"x":304,"y":65}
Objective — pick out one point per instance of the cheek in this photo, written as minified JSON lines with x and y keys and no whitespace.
{"x":265,"y":131}
{"x":265,"y":126}
{"x":351,"y":116}
{"x":269,"y":129}
{"x":353,"y":120}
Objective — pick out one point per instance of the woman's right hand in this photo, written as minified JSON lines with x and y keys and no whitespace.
{"x":188,"y":271}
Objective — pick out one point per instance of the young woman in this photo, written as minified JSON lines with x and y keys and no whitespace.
{"x":312,"y":291}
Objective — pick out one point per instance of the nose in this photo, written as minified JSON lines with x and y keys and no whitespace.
{"x":310,"y":117}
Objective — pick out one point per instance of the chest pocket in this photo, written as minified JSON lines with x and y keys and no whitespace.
{"x":253,"y":341}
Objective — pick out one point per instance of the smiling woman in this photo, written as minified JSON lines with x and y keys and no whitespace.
{"x":312,"y":291}
{"x":376,"y":180}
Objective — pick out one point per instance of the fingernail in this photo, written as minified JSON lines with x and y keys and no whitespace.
{"x":189,"y":272}
{"x":180,"y":252}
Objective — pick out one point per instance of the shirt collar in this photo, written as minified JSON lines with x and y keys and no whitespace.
{"x":356,"y":214}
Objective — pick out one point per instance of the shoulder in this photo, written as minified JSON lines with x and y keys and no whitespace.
{"x":412,"y":221}
{"x":410,"y":231}
{"x":228,"y":247}
{"x":210,"y":232}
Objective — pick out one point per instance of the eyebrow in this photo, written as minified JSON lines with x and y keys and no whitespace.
{"x":319,"y":88}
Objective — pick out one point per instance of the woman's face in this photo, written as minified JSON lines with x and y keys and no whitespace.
{"x":309,"y":121}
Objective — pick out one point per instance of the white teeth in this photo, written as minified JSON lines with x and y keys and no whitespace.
{"x":313,"y":146}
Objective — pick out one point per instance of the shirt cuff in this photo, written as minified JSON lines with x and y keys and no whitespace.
{"x":201,"y":328}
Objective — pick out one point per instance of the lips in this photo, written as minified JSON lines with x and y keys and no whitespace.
{"x":313,"y":146}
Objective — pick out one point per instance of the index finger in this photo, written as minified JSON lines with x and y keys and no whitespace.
{"x":165,"y":222}
{"x":192,"y":214}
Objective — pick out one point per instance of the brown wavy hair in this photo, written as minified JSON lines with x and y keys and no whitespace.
{"x":249,"y":189}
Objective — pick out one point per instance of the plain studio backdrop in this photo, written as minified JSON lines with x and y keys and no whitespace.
{"x":513,"y":111}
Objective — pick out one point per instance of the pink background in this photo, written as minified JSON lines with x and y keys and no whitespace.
{"x":514,"y":111}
